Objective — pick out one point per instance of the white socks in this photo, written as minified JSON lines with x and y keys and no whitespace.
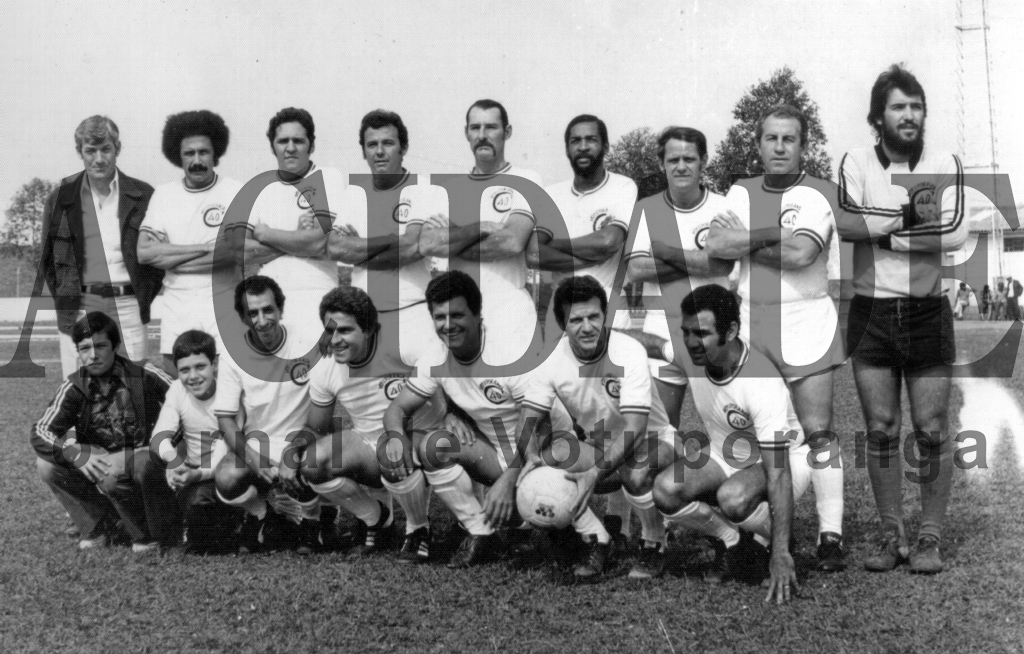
{"x":828,"y":496}
{"x":701,"y":518}
{"x":588,"y":525}
{"x":454,"y":487}
{"x":759,"y":523}
{"x":413,"y":496}
{"x":350,"y":496}
{"x":618,"y":506}
{"x":250,"y":501}
{"x":652,"y":523}
{"x":384,"y":497}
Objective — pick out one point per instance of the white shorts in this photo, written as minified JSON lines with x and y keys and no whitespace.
{"x":125,"y":311}
{"x":811,"y":342}
{"x":799,"y":467}
{"x":191,"y":309}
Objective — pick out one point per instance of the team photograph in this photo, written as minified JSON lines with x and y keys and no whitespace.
{"x":656,"y":327}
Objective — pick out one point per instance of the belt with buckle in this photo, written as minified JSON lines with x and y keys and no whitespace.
{"x":109,"y":290}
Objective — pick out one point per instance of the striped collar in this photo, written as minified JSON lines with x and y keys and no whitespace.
{"x":216,"y":178}
{"x":597,"y":188}
{"x":675,"y":207}
{"x":480,"y":352}
{"x":260,"y":350}
{"x":292,"y":179}
{"x":475,"y":174}
{"x":772,"y":189}
{"x":735,"y":373}
{"x":603,"y":349}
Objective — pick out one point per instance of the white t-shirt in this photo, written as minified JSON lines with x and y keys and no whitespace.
{"x":804,"y":212}
{"x":606,"y":396}
{"x":611,"y":203}
{"x":277,"y":408}
{"x":366,"y":398}
{"x":280,"y":206}
{"x":693,"y":225}
{"x":197,"y":421}
{"x":184,"y":216}
{"x":418,"y":202}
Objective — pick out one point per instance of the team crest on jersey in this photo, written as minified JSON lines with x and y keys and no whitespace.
{"x":298,"y":371}
{"x":700,"y":236}
{"x":304,"y":197}
{"x":213,"y":215}
{"x":789,"y":215}
{"x":612,"y":386}
{"x":392,"y":386}
{"x":600,"y":219}
{"x":737,"y":417}
{"x":401,"y":213}
{"x":502,"y":200}
{"x":493,"y":391}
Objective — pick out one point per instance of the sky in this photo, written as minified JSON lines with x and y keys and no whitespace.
{"x":637,"y":63}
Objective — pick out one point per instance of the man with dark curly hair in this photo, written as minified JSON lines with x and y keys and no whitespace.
{"x":179,"y":233}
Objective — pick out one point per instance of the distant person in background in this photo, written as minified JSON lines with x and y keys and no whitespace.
{"x":999,"y":310}
{"x":986,"y":303}
{"x":1013,"y":291}
{"x":963,"y":300}
{"x":90,"y":233}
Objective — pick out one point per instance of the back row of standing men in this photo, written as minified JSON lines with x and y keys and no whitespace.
{"x":898,"y":319}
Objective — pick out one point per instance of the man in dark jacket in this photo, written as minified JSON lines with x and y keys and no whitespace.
{"x":90,"y":236}
{"x":93,"y":443}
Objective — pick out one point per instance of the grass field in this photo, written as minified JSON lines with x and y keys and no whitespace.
{"x":55,"y":598}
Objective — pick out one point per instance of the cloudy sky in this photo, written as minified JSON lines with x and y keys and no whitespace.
{"x":636,"y":63}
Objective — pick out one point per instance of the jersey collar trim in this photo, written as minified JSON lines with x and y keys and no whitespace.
{"x":597,"y":188}
{"x":185,"y":186}
{"x":883,"y":158}
{"x":473,"y":174}
{"x":293,"y":182}
{"x":401,"y":182}
{"x":369,"y":356}
{"x":480,"y":353}
{"x":261,"y":352}
{"x":675,"y":207}
{"x":743,"y":360}
{"x":772,"y":189}
{"x":597,"y":356}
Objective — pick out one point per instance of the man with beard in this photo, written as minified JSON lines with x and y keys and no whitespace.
{"x":900,"y":324}
{"x":596,"y":205}
{"x":180,"y":230}
{"x":504,"y":235}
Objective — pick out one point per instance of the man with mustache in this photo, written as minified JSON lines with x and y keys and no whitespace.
{"x":596,"y":205}
{"x":900,"y":325}
{"x":90,"y":233}
{"x":179,"y":233}
{"x":502,"y":238}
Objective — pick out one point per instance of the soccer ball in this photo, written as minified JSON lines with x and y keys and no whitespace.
{"x":545,"y":496}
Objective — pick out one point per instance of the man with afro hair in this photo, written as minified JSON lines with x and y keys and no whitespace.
{"x":180,"y":231}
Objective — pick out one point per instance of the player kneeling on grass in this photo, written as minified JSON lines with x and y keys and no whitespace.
{"x":192,"y":458}
{"x":363,"y":375}
{"x":274,"y":405}
{"x":93,"y":443}
{"x":755,"y":463}
{"x":485,"y":452}
{"x":620,"y":413}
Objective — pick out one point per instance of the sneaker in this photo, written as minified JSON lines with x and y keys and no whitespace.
{"x":650,"y":563}
{"x":474,"y":550}
{"x":309,"y":537}
{"x":416,"y":547}
{"x":597,"y":556}
{"x":250,"y":539}
{"x":97,"y":539}
{"x":377,"y":536}
{"x":145,"y":547}
{"x":926,"y":559}
{"x":831,"y":555}
{"x":613,"y":525}
{"x":892,"y":552}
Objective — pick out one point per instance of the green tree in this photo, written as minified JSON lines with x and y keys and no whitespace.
{"x":635,"y":155}
{"x":737,"y":155}
{"x":22,"y":231}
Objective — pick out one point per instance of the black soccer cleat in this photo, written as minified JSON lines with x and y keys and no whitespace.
{"x":650,"y":562}
{"x":831,"y":555}
{"x":309,"y":537}
{"x":416,"y":547}
{"x":597,"y":555}
{"x":250,"y":538}
{"x":376,"y":536}
{"x":474,"y":550}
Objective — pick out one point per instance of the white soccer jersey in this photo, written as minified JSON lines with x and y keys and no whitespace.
{"x":693,"y":225}
{"x":277,"y":408}
{"x":418,"y":202}
{"x":197,"y":421}
{"x":366,"y":398}
{"x":280,"y":206}
{"x":754,"y":399}
{"x":603,"y":396}
{"x":184,"y":216}
{"x":488,"y":400}
{"x":611,"y":203}
{"x":913,"y":266}
{"x":804,"y":212}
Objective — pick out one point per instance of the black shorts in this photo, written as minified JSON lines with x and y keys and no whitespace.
{"x":908,"y":333}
